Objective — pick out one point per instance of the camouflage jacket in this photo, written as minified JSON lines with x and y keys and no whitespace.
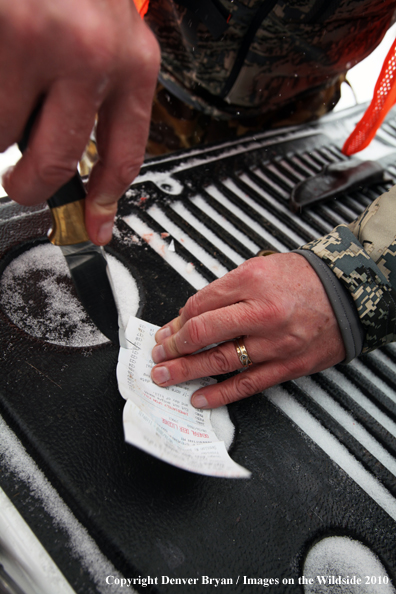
{"x":362,"y":255}
{"x":246,"y":57}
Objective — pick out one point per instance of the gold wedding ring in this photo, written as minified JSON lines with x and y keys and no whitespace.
{"x":242,"y":353}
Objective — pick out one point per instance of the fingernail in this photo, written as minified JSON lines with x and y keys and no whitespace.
{"x":199,"y":401}
{"x":105,"y":233}
{"x":160,"y":375}
{"x":158,"y":354}
{"x":163,"y":333}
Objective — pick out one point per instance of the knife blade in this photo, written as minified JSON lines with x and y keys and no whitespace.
{"x":86,"y":261}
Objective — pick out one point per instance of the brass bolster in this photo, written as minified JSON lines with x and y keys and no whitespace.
{"x":68,"y":224}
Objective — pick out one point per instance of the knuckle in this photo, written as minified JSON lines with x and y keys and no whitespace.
{"x":88,"y":31}
{"x":191,"y":307}
{"x":291,"y":344}
{"x":100,"y":58}
{"x":237,"y":388}
{"x":150,"y":54}
{"x":126,"y":171}
{"x":55,"y":174}
{"x":251,"y":270}
{"x":224,"y":395}
{"x":218,"y":361}
{"x":197,"y":331}
{"x":252,"y":315}
{"x":104,"y":205}
{"x":196,"y":304}
{"x":174,"y":349}
{"x":184,"y":365}
{"x":246,"y":385}
{"x":141,"y":49}
{"x":194,"y":331}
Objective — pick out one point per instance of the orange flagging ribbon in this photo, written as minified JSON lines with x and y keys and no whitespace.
{"x":383,"y":99}
{"x":141,"y":6}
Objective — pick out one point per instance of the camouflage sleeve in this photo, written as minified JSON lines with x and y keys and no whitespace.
{"x":362,"y":255}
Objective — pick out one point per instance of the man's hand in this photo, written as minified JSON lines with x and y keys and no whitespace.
{"x":279,"y":306}
{"x":79,"y":58}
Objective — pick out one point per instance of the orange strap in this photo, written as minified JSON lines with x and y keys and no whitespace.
{"x":141,"y":6}
{"x":383,"y":99}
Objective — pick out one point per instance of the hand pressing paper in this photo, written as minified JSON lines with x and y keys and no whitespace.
{"x":161,"y":421}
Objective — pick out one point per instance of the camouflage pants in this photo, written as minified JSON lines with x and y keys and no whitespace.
{"x":176,"y":126}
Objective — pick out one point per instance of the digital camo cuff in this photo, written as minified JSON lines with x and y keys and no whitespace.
{"x":373,"y":294}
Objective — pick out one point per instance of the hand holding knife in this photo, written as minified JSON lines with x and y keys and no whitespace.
{"x":86,"y":261}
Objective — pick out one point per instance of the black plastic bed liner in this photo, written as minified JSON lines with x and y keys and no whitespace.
{"x":322,"y":450}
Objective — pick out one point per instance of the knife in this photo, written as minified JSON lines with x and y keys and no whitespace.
{"x":336,"y":179}
{"x":86,"y":261}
